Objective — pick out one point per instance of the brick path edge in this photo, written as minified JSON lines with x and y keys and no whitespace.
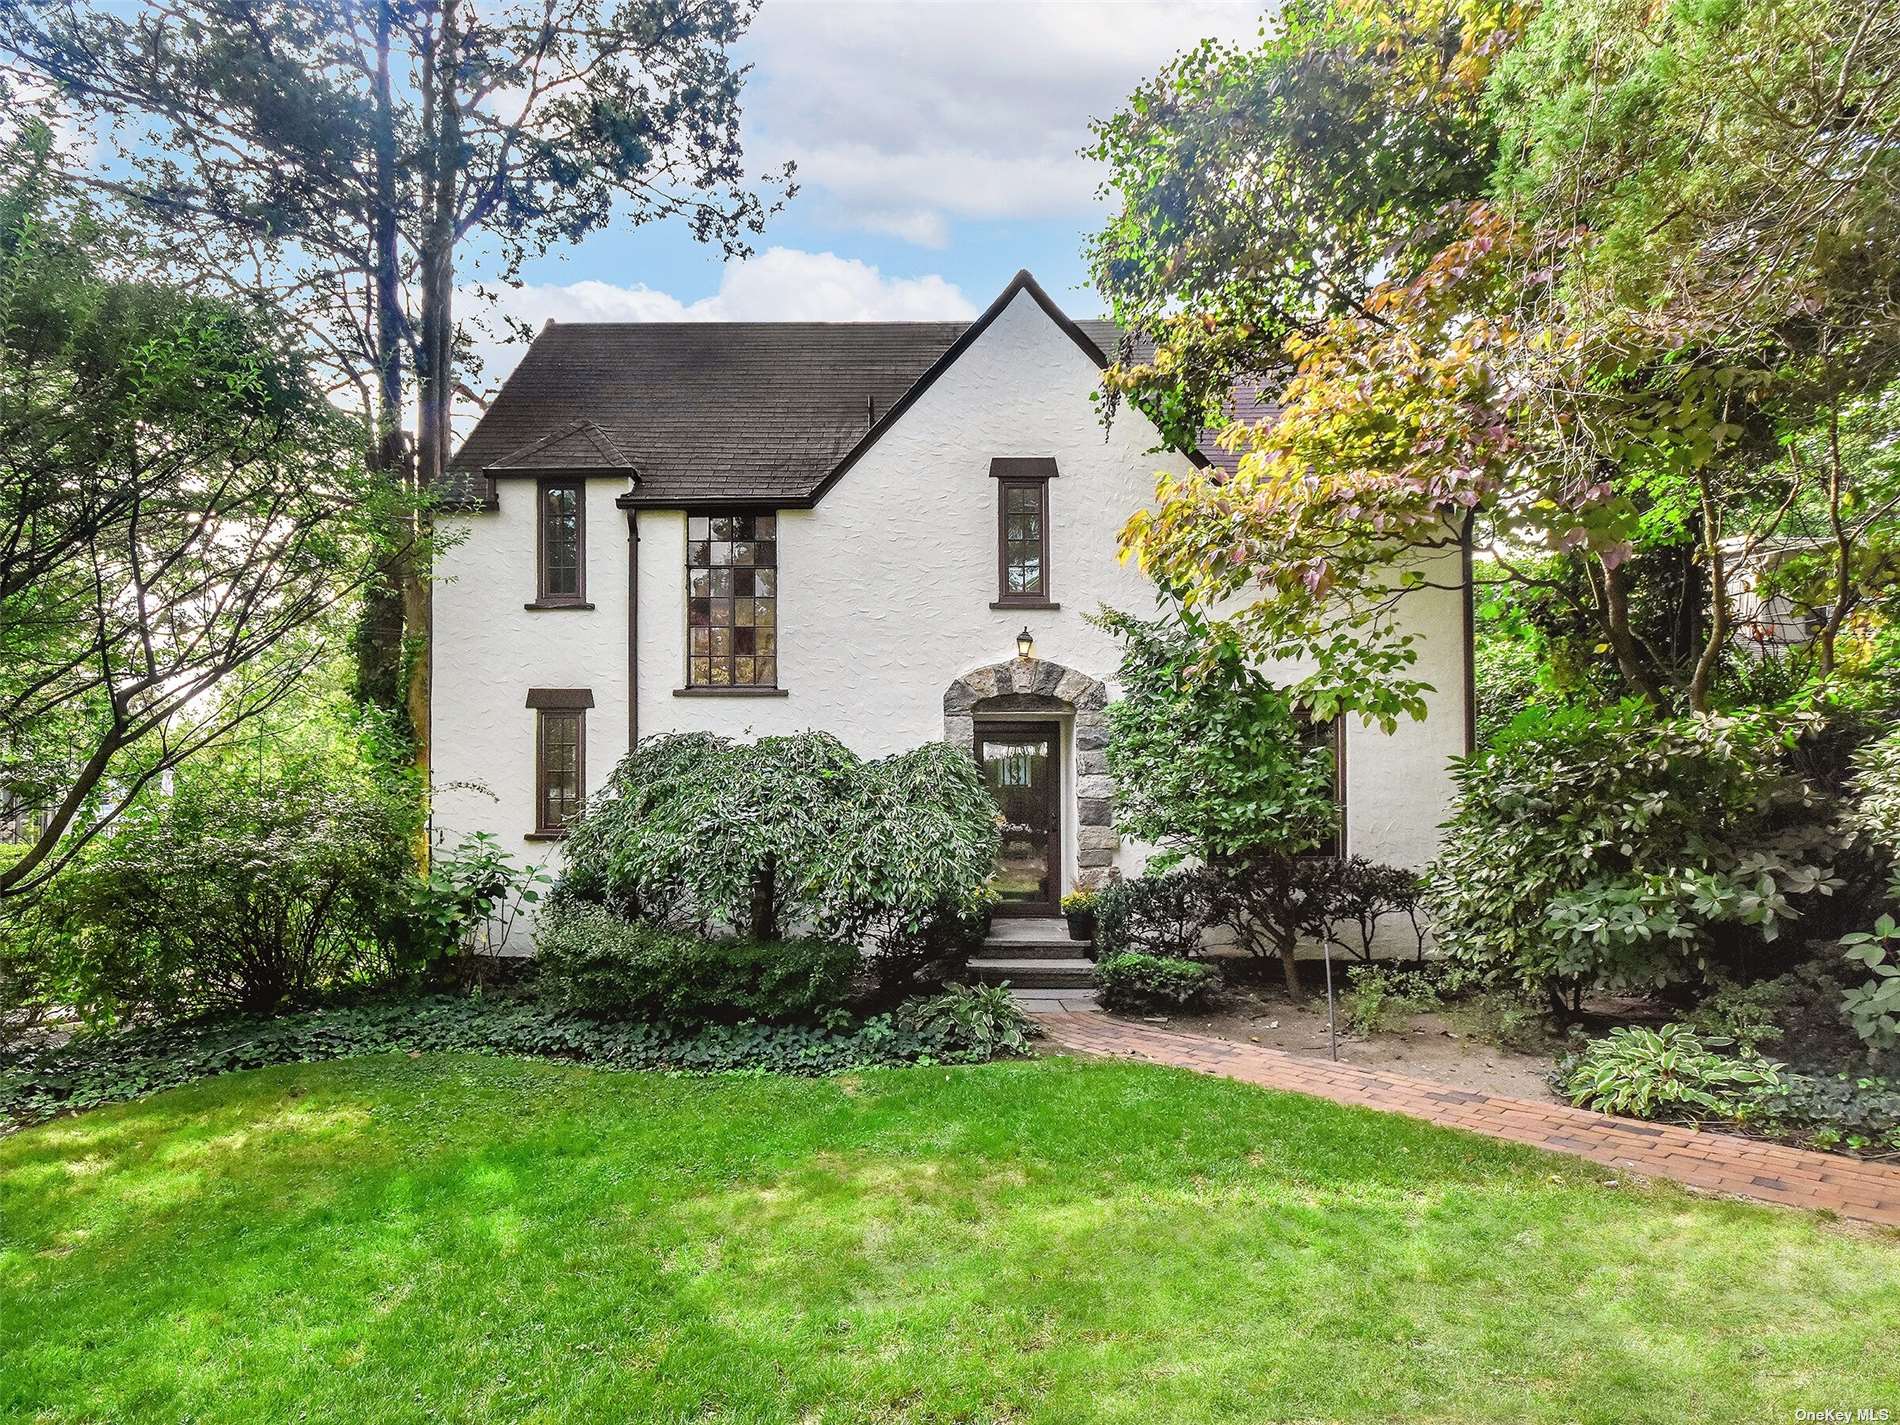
{"x":1712,"y":1162}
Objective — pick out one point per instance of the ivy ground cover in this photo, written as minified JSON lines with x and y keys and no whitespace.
{"x":468,"y":1237}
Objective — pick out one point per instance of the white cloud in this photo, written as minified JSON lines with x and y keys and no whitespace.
{"x":779,"y":284}
{"x":905,"y":116}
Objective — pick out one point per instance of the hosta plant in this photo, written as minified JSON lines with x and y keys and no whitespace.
{"x":1663,"y":1073}
{"x":1874,"y":1008}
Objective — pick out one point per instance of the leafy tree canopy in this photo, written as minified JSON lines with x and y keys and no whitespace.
{"x":181,"y":514}
{"x":1639,"y":331}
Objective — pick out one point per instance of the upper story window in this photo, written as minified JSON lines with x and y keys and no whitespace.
{"x":562,"y":543}
{"x":1022,"y":530}
{"x":732,"y":601}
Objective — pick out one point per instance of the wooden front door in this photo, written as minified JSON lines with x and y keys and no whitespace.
{"x":1022,"y":764}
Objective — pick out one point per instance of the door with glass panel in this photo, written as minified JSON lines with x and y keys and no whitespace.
{"x":1022,"y":765}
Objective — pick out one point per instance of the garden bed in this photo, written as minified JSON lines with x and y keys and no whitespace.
{"x":1460,"y":1040}
{"x":1437,"y":1046}
{"x":48,"y":1073}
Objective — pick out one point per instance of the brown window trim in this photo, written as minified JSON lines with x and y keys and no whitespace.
{"x":691,"y":689}
{"x":549,"y":703}
{"x":560,"y":697}
{"x":1009,"y":473}
{"x":542,"y":598}
{"x":1337,"y":851}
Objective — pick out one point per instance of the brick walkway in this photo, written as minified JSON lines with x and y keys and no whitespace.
{"x":1714,"y":1162}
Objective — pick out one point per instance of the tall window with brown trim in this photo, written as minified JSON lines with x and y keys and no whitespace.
{"x":562,"y":541}
{"x":732,"y":601}
{"x":1330,"y":735}
{"x":560,"y":756}
{"x":1022,"y":530}
{"x":560,"y":750}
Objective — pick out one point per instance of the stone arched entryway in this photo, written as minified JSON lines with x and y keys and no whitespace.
{"x":1031,"y":686}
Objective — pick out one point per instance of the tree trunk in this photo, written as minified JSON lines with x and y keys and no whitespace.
{"x":765,"y":901}
{"x":434,"y":355}
{"x":1845,"y":595}
{"x":1616,"y":631}
{"x":1290,"y":967}
{"x":379,"y":654}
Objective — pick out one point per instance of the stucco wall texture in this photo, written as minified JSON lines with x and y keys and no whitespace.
{"x":884,"y":600}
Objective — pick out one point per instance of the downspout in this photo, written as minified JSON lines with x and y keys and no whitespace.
{"x":633,"y":629}
{"x":1470,"y":619}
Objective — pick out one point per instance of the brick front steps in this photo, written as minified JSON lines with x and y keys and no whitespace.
{"x":1713,"y":1162}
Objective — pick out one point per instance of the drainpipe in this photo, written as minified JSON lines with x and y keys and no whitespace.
{"x":633,"y":629}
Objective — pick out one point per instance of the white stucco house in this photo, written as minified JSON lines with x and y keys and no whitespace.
{"x":754,"y":528}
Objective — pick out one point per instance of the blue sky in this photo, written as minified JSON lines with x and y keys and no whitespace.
{"x":936,"y":142}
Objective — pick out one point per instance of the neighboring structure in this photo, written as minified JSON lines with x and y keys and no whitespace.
{"x":754,"y":528}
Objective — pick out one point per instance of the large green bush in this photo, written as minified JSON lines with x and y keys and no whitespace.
{"x":592,"y":961}
{"x":912,"y":852}
{"x":1874,"y":1006}
{"x":1154,"y":915}
{"x":695,"y":829}
{"x":274,"y":868}
{"x":1612,"y":849}
{"x":790,"y":833}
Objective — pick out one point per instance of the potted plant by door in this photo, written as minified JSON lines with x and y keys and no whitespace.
{"x":1078,"y":908}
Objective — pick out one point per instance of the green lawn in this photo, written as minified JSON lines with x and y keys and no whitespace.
{"x":478,"y":1239}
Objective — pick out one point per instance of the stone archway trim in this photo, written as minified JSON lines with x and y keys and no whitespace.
{"x":1067,"y":689}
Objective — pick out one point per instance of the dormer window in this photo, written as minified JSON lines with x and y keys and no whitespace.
{"x":1022,"y":531}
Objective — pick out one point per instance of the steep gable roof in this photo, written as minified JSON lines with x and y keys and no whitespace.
{"x":723,"y":412}
{"x":582,"y":447}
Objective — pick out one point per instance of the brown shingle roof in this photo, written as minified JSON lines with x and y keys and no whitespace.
{"x":709,"y":412}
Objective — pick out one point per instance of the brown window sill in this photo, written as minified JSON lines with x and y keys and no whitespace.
{"x":731,"y":693}
{"x":556,"y":604}
{"x":1024,"y":604}
{"x":545,"y":836}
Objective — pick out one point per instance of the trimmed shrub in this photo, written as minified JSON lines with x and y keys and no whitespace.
{"x":1154,"y":915}
{"x":593,"y":962}
{"x":1365,"y":893}
{"x":1132,"y":981}
{"x":1608,"y":849}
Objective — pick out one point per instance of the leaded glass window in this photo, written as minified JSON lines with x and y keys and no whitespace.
{"x":732,"y":601}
